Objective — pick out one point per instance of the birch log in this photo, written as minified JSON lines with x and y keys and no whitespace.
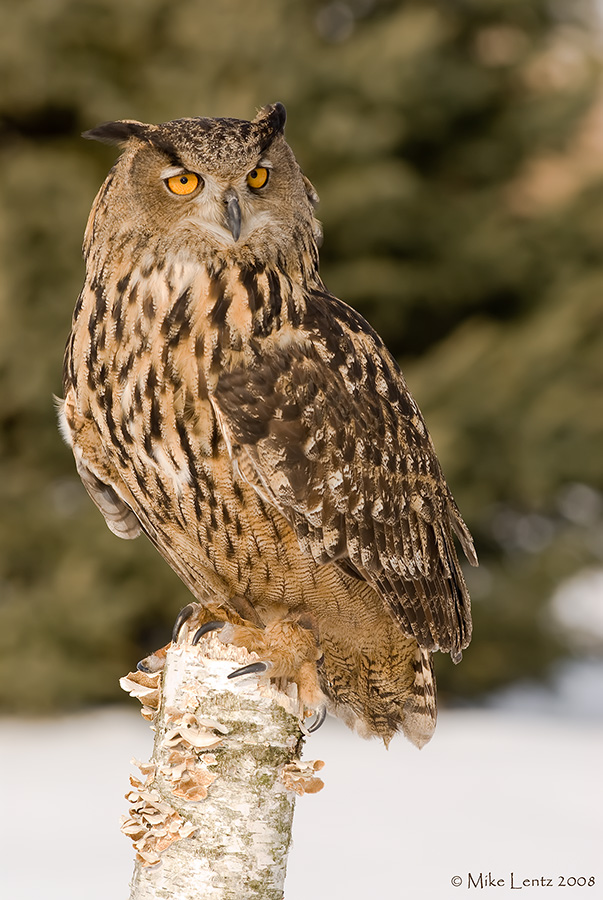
{"x":211,"y":815}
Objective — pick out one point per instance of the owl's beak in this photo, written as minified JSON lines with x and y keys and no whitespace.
{"x":233,"y":213}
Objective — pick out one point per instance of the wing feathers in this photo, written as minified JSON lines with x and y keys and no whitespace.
{"x":118,"y":515}
{"x":341,"y":448}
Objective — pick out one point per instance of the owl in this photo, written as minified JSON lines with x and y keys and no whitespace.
{"x":256,"y":429}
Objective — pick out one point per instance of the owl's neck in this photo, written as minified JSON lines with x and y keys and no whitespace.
{"x":297,"y":259}
{"x":143,"y":289}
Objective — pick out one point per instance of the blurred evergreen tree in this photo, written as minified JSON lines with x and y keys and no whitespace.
{"x":417,"y":122}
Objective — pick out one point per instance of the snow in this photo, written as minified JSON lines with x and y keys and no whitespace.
{"x":497,"y":791}
{"x":577,"y":608}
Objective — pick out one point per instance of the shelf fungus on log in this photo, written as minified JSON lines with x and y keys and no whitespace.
{"x":212,"y":812}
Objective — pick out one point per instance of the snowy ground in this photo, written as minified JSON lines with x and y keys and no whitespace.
{"x":500,"y":791}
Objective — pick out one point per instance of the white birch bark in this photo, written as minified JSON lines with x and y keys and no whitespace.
{"x":211,"y":816}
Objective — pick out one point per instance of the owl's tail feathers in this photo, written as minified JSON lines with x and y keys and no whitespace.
{"x":420,"y":711}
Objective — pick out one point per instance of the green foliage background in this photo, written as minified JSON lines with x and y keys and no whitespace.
{"x":416,"y":121}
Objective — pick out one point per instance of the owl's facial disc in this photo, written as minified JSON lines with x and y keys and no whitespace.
{"x":225,"y":206}
{"x":233,"y":213}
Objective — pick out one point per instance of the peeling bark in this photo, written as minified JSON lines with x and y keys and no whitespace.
{"x":211,"y":815}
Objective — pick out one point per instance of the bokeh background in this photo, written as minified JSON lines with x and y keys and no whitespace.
{"x":457,"y":147}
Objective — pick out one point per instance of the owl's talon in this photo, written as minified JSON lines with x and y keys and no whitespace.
{"x":182,"y":617}
{"x":207,"y":627}
{"x":321,"y":715}
{"x":153,"y":663}
{"x":251,"y":669}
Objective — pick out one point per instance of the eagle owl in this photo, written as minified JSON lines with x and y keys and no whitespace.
{"x":219,"y":399}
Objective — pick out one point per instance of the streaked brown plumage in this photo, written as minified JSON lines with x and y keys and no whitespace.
{"x":219,"y":399}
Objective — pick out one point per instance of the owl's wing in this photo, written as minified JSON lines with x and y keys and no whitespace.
{"x":118,"y":515}
{"x":339,"y":446}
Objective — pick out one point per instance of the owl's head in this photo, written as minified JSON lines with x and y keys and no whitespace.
{"x":228,"y":185}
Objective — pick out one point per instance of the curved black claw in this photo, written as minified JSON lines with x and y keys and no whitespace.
{"x":250,"y":669}
{"x":183,"y":616}
{"x":140,"y":665}
{"x":209,"y":626}
{"x":321,"y":715}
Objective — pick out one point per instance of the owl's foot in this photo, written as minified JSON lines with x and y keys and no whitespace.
{"x":193,"y":617}
{"x":205,"y":629}
{"x":183,"y":616}
{"x":252,"y":669}
{"x":289,"y":654}
{"x":320,"y":716}
{"x":154,"y":662}
{"x":193,"y":613}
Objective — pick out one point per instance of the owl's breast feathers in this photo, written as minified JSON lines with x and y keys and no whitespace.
{"x":171,"y":364}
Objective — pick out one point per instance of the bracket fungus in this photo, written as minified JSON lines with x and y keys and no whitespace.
{"x":224,"y":774}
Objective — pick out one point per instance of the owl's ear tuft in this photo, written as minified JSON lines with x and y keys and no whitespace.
{"x":274,"y":115}
{"x":118,"y":133}
{"x":271,"y":120}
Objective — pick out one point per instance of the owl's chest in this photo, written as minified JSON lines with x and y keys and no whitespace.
{"x":179,"y":468}
{"x":144,"y":365}
{"x":146,"y":353}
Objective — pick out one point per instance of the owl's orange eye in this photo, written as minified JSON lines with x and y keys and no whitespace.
{"x":258,"y":177}
{"x":185,"y":183}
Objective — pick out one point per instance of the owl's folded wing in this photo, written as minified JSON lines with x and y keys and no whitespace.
{"x":339,"y":446}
